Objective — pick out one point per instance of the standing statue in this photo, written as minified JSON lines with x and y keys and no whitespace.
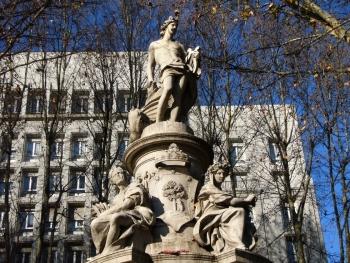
{"x":178,"y":73}
{"x":222,"y":220}
{"x":177,"y":92}
{"x":117,"y":221}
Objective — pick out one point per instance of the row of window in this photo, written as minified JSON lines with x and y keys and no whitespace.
{"x":58,"y":102}
{"x":27,"y":219}
{"x":79,"y":148}
{"x":237,"y":149}
{"x":75,"y":186}
{"x":71,"y":256}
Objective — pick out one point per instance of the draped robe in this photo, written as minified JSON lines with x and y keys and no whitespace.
{"x":220,"y":225}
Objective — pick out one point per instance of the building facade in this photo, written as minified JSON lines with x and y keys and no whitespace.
{"x":84,"y":107}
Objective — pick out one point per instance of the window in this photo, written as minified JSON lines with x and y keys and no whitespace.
{"x":143,"y":97}
{"x":98,"y":144}
{"x":13,"y":152}
{"x":80,"y":102}
{"x":57,"y":150}
{"x":273,"y":152}
{"x":289,"y":234}
{"x":123,"y":144}
{"x":291,"y":253}
{"x":26,"y":219}
{"x":49,"y":222}
{"x":2,"y":257}
{"x":57,"y":102}
{"x":35,"y":102}
{"x":96,"y":181}
{"x":77,"y":182}
{"x":75,"y":219}
{"x":55,"y":255}
{"x":75,"y":256}
{"x":123,"y":102}
{"x":227,"y":184}
{"x":12,"y":103}
{"x":33,"y":148}
{"x":79,"y":224}
{"x":236,"y":150}
{"x":79,"y":148}
{"x":55,"y":182}
{"x":23,"y":257}
{"x":103,"y":102}
{"x":29,"y":182}
{"x":240,"y":180}
{"x":286,"y":216}
{"x":2,"y":220}
{"x":3,"y":184}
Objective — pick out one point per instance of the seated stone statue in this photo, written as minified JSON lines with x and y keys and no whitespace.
{"x":222,"y":220}
{"x":117,"y":221}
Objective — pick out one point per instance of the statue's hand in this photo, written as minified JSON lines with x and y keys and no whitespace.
{"x":251,"y":199}
{"x":98,"y":208}
{"x":150,"y":83}
{"x":151,"y":87}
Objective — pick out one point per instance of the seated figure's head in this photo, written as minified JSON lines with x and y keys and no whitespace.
{"x":118,"y":176}
{"x":217,"y":172}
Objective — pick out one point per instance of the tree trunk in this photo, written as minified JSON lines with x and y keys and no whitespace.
{"x":334,"y":196}
{"x":39,"y":243}
{"x":299,"y":243}
{"x":7,"y":234}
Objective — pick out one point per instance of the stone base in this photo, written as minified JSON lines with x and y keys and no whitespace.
{"x":128,"y":255}
{"x":176,"y":247}
{"x":134,"y":256}
{"x":233,"y":256}
{"x":240,"y":256}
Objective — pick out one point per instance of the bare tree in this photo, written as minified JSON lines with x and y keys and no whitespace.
{"x":12,"y":90}
{"x":331,"y":115}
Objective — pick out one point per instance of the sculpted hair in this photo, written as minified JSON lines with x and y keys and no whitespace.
{"x":216,"y":167}
{"x":120,"y":167}
{"x":166,"y":23}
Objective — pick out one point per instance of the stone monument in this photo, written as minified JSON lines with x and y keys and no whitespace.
{"x":168,"y":213}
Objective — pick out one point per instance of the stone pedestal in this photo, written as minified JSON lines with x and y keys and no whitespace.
{"x":171,"y":163}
